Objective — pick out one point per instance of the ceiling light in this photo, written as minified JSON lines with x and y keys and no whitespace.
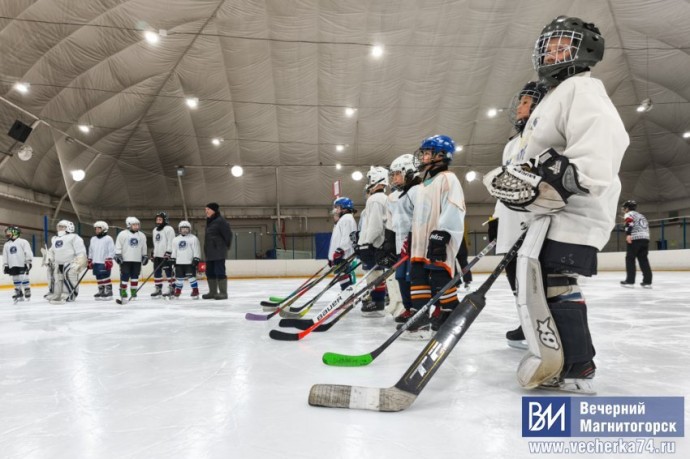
{"x":236,"y":171}
{"x":216,"y":141}
{"x":686,"y":135}
{"x":180,"y":171}
{"x":338,"y":166}
{"x":78,"y":175}
{"x":458,"y":148}
{"x":22,"y":87}
{"x":151,"y":37}
{"x":339,"y":148}
{"x":645,"y":106}
{"x":492,"y":112}
{"x":25,"y":152}
{"x":85,"y":128}
{"x":350,"y":112}
{"x":377,"y":51}
{"x":192,"y":102}
{"x":357,"y":176}
{"x":471,"y":176}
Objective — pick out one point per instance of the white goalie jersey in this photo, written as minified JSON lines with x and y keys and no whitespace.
{"x":595,"y":145}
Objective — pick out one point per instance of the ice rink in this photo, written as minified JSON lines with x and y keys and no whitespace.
{"x":194,"y":379}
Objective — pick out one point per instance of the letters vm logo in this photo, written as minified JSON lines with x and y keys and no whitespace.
{"x":545,"y":416}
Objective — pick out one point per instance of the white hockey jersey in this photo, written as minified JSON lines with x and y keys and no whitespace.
{"x":374,"y":226}
{"x":101,"y":248}
{"x":578,"y":120}
{"x":162,"y":240}
{"x":509,"y":221}
{"x":400,"y":215}
{"x":132,"y":246}
{"x":185,"y":248}
{"x":17,"y":253}
{"x":340,"y":239}
{"x":438,"y":206}
{"x":64,"y":249}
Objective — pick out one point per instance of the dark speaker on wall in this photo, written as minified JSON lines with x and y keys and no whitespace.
{"x":20,"y":131}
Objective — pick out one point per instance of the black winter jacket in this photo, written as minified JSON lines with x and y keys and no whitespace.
{"x":218,"y":238}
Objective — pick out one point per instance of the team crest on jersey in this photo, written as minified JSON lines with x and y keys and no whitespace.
{"x":13,"y":250}
{"x":182,"y":245}
{"x":158,"y":237}
{"x":133,"y":242}
{"x":58,"y":244}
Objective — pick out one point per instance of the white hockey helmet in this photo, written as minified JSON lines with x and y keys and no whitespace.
{"x":102,"y":225}
{"x":68,"y":225}
{"x":377,"y":175}
{"x":184,"y":224}
{"x":405,"y":165}
{"x":129,"y":221}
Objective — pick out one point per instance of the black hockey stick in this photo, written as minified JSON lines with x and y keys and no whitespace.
{"x":343,"y":360}
{"x":302,"y":289}
{"x":346,"y":298}
{"x":279,"y":300}
{"x":127,"y":300}
{"x":427,"y":363}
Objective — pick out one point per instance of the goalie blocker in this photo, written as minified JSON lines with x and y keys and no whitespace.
{"x":542,"y":185}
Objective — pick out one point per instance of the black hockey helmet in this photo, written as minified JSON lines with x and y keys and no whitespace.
{"x":630,"y":205}
{"x":164,"y":216}
{"x":536,"y":90}
{"x":582,"y":39}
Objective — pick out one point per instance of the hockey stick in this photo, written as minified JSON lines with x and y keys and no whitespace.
{"x":309,"y":283}
{"x":280,"y":310}
{"x":127,"y":300}
{"x":278,"y":300}
{"x":360,"y":360}
{"x":354,"y":292}
{"x":427,"y":363}
{"x":296,"y":313}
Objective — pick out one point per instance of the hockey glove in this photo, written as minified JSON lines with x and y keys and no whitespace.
{"x":389,"y":243}
{"x":144,"y":260}
{"x":367,"y":253}
{"x":28,"y":267}
{"x":118,"y":258}
{"x":385,"y":259}
{"x":195,"y":262}
{"x":89,"y":264}
{"x":438,"y":240}
{"x":7,"y":269}
{"x":167,"y":255}
{"x":108,"y":264}
{"x":338,"y":256}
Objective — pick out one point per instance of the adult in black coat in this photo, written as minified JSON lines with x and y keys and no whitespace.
{"x":216,"y":245}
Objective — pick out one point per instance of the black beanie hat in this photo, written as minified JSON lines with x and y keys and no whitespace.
{"x":213,"y":206}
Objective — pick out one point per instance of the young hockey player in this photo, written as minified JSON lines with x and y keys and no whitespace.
{"x":509,"y":227}
{"x":130,"y":254}
{"x":564,"y":179}
{"x":186,"y":254}
{"x":101,"y":253}
{"x":340,"y":247}
{"x":17,"y":258}
{"x":163,"y":235}
{"x":437,"y":228}
{"x":67,"y":255}
{"x":372,"y":235}
{"x":637,"y":239}
{"x":404,"y":178}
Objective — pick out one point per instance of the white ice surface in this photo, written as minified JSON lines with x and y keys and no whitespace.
{"x":194,"y":379}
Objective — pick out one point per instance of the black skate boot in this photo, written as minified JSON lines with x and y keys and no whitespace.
{"x":101,"y":293}
{"x":27,"y":293}
{"x":18,"y":295}
{"x":439,"y":317}
{"x":374,"y":308}
{"x":405,"y":316}
{"x":420,"y":329}
{"x":158,"y":293}
{"x":108,"y":293}
{"x":627,"y":284}
{"x":516,"y":338}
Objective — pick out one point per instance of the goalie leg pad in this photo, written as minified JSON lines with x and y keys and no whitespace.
{"x":544,"y":359}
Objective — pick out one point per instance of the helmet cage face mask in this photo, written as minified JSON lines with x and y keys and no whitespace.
{"x":404,"y":165}
{"x":564,"y":45}
{"x":535,"y":95}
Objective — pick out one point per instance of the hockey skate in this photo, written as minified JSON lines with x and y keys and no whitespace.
{"x":59,"y":299}
{"x":27,"y":294}
{"x":158,"y":293}
{"x":170,"y":293}
{"x":439,"y":317}
{"x":178,"y":292}
{"x":373,"y":309}
{"x":405,"y":316}
{"x":108,"y":294}
{"x":577,"y":378}
{"x":516,"y":338}
{"x":643,"y":285}
{"x":195,"y":293}
{"x":101,"y":293}
{"x":627,"y":284}
{"x":420,"y":330}
{"x":18,"y":295}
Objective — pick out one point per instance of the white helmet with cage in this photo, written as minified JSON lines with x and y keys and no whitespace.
{"x":102,"y":225}
{"x":184,"y":224}
{"x":67,"y":225}
{"x":376,"y":176}
{"x":130,"y":221}
{"x":403,"y":164}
